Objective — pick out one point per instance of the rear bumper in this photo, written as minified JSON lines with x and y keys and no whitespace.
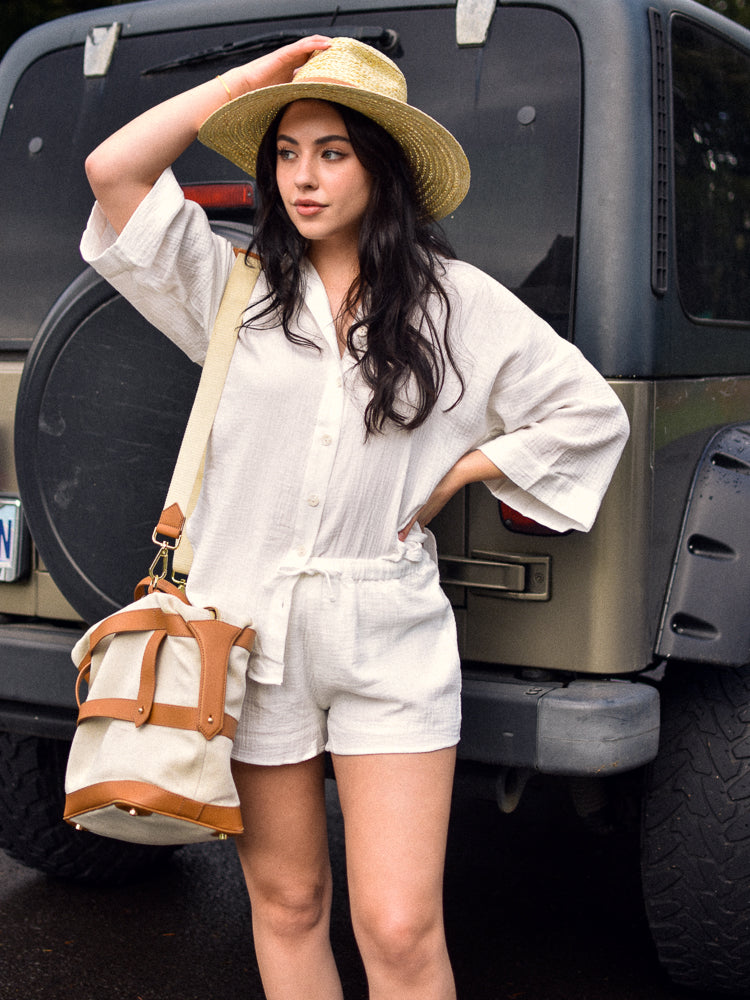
{"x":587,"y":728}
{"x":37,"y":679}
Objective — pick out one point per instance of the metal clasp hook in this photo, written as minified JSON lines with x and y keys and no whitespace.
{"x":163,"y":556}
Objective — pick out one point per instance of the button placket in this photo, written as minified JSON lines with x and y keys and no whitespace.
{"x":319,"y":466}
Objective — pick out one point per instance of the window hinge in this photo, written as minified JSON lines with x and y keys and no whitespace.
{"x":473,"y":19}
{"x":99,"y":49}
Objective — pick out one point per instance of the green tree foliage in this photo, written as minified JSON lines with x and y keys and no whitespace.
{"x":17,"y":16}
{"x":737,"y":10}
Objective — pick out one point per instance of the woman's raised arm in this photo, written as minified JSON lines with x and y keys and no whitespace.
{"x":123,"y":169}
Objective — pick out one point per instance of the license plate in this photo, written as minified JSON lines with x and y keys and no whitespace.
{"x":14,"y":540}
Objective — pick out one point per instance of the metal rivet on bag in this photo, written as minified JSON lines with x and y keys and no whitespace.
{"x":140,"y":710}
{"x":78,"y":826}
{"x":133,"y":812}
{"x":210,"y":718}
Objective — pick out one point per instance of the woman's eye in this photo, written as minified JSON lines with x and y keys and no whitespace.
{"x":285,"y":154}
{"x":333,"y":154}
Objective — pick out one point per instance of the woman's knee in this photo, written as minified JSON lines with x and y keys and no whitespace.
{"x":291,"y":910}
{"x":405,"y":940}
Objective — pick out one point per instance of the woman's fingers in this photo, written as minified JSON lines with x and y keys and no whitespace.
{"x":280,"y":66}
{"x":471,"y":468}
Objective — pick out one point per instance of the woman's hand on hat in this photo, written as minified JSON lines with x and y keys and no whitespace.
{"x":474,"y":467}
{"x":278,"y":66}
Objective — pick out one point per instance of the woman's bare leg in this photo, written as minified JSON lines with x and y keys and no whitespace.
{"x":284,"y":856}
{"x":396,"y":809}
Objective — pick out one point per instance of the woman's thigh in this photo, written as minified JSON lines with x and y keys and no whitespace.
{"x":396,"y":809}
{"x":284,"y":847}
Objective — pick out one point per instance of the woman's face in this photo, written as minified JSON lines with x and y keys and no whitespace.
{"x":324,"y":187}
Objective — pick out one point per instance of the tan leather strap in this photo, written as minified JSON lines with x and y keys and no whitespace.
{"x":148,"y":586}
{"x":84,"y":672}
{"x":171,"y":522}
{"x":215,"y":641}
{"x":185,"y":485}
{"x":154,"y":619}
{"x":172,"y":716}
{"x":142,"y":620}
{"x":147,"y":686}
{"x":145,"y":799}
{"x":215,"y":646}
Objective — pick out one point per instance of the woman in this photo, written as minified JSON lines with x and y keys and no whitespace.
{"x":373,"y":378}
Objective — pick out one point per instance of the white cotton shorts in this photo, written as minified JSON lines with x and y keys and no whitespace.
{"x":371,"y":665}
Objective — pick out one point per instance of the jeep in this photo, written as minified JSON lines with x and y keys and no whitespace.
{"x":610,"y":150}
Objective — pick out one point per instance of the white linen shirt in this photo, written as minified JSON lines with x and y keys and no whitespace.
{"x":289,"y":473}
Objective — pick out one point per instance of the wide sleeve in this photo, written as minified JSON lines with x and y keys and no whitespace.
{"x":166,"y":262}
{"x":553,"y":425}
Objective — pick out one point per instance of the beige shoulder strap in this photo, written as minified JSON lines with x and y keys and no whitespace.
{"x":186,"y":478}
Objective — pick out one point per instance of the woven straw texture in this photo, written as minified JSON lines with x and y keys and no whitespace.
{"x":360,"y":77}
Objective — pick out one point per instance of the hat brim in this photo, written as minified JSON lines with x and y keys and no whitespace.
{"x":439,"y":164}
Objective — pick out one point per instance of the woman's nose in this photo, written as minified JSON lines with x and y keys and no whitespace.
{"x":305,"y":175}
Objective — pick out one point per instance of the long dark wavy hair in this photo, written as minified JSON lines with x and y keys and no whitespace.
{"x":400,"y":252}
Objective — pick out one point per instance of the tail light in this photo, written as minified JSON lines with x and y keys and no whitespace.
{"x":523,"y":525}
{"x":221,"y":195}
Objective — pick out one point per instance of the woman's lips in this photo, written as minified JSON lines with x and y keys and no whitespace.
{"x":308,"y":207}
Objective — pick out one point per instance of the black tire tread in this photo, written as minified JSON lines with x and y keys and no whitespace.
{"x":695,"y":859}
{"x":32,"y":831}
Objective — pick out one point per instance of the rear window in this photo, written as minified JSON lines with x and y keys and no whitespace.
{"x":514,"y":104}
{"x":711,"y":98}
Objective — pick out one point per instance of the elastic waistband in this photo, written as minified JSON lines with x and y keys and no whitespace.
{"x":368,"y":569}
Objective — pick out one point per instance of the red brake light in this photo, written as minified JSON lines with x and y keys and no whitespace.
{"x":522,"y":525}
{"x":223,"y":194}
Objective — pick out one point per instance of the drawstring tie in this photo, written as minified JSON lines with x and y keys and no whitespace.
{"x":328,"y":574}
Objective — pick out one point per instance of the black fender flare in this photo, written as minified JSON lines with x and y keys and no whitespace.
{"x":706,"y":616}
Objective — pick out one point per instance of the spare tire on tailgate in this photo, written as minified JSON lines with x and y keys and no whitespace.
{"x":102,"y":407}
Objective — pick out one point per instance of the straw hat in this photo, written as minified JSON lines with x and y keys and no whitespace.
{"x":362,"y":78}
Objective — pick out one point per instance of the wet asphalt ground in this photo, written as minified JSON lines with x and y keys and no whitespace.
{"x":536,"y":909}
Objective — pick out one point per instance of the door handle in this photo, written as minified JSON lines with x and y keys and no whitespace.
{"x":497,"y":574}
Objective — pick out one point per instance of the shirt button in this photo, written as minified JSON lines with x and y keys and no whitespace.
{"x":313,"y":500}
{"x":339,"y":382}
{"x":326,"y":440}
{"x":302,"y":551}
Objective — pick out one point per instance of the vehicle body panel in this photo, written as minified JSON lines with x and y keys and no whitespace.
{"x":678,"y":379}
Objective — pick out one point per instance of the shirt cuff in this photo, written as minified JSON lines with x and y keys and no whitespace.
{"x":556,"y":502}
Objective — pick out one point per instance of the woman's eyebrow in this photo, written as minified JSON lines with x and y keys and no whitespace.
{"x":331,"y":138}
{"x":318,"y":142}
